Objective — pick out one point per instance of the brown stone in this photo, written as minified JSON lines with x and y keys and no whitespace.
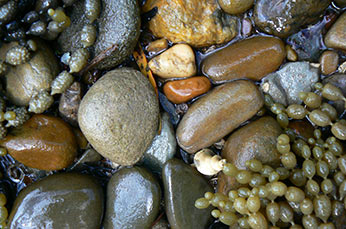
{"x":198,"y":23}
{"x":302,"y":128}
{"x":252,"y":58}
{"x":235,"y":6}
{"x":335,"y":37}
{"x":217,"y":114}
{"x":329,"y":61}
{"x":255,"y":140}
{"x":43,"y":142}
{"x":181,"y":91}
{"x":69,"y":103}
{"x":157,"y":46}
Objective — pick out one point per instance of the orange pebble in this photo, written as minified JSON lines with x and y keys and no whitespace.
{"x":181,"y":91}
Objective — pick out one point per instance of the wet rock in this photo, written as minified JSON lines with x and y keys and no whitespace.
{"x":25,"y":80}
{"x":69,"y":103}
{"x":181,"y":91}
{"x":285,"y":84}
{"x":119,"y":115}
{"x":235,"y":6}
{"x":283,"y":18}
{"x":133,"y":199}
{"x":178,"y":61}
{"x":183,"y":185}
{"x":329,"y":61}
{"x":162,"y":224}
{"x":157,"y":46}
{"x":335,"y":37}
{"x":43,"y":142}
{"x":162,"y":148}
{"x":255,"y":140}
{"x":118,"y":31}
{"x":192,"y":21}
{"x":302,"y":128}
{"x":89,"y":156}
{"x":252,"y":58}
{"x":66,"y":200}
{"x":340,"y":3}
{"x":338,"y":80}
{"x":217,"y":114}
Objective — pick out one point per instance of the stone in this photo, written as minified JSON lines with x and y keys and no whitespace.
{"x":235,"y":6}
{"x":162,"y":224}
{"x":66,"y":200}
{"x":335,"y":38}
{"x":69,"y":103}
{"x":285,"y":17}
{"x":183,"y":185}
{"x":182,"y":91}
{"x":157,"y":46}
{"x":329,"y":61}
{"x":285,"y":84}
{"x":197,"y":23}
{"x":340,"y":3}
{"x":43,"y":142}
{"x":133,"y":199}
{"x":256,"y":140}
{"x":252,"y":58}
{"x":162,"y":148}
{"x":217,"y":114}
{"x":119,"y":115}
{"x":176,"y":62}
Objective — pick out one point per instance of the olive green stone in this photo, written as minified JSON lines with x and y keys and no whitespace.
{"x":183,"y":185}
{"x":133,"y":199}
{"x":67,"y":200}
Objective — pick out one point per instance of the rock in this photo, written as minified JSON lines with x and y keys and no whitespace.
{"x":217,"y":114}
{"x":133,"y":199}
{"x":302,"y":128}
{"x":89,"y":156}
{"x":255,"y":140}
{"x":235,"y":6}
{"x":329,"y":61}
{"x":157,"y":46}
{"x":285,"y":17}
{"x":69,"y":103}
{"x":66,"y":200}
{"x":118,"y":30}
{"x":162,"y":224}
{"x":340,"y":3}
{"x":162,"y":148}
{"x":43,"y":142}
{"x":177,"y":62}
{"x":252,"y":58}
{"x":119,"y":115}
{"x":183,"y":185}
{"x":335,"y":37}
{"x":181,"y":91}
{"x":338,"y":80}
{"x":25,"y":80}
{"x":198,"y":23}
{"x":285,"y":84}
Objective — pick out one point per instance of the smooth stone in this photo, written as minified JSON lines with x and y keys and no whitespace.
{"x":66,"y":200}
{"x":286,"y":17}
{"x":336,"y":37}
{"x":157,"y":46}
{"x":43,"y":142}
{"x":252,"y":58}
{"x":302,"y":128}
{"x":329,"y":61}
{"x":176,"y":62}
{"x":183,"y":185}
{"x":69,"y":103}
{"x":133,"y":199}
{"x":197,"y":23}
{"x":119,"y":115}
{"x":285,"y":84}
{"x":217,"y":114}
{"x":181,"y":91}
{"x":89,"y":156}
{"x":162,"y":148}
{"x":162,"y":224}
{"x":235,"y":6}
{"x":338,"y":80}
{"x":256,"y":140}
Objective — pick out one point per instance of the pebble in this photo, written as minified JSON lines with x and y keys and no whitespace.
{"x":252,"y":58}
{"x":329,"y":61}
{"x":235,"y":6}
{"x":335,"y":37}
{"x":162,"y":148}
{"x":157,"y":46}
{"x":176,"y":62}
{"x":291,"y":54}
{"x":133,"y":199}
{"x":254,"y":140}
{"x":285,"y":84}
{"x":286,"y":17}
{"x":183,"y":185}
{"x":119,"y":115}
{"x":181,"y":91}
{"x":43,"y":142}
{"x":66,"y":200}
{"x":198,"y":23}
{"x":69,"y":103}
{"x":217,"y":114}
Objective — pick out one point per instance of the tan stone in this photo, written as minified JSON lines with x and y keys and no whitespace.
{"x":235,"y":6}
{"x":336,"y":36}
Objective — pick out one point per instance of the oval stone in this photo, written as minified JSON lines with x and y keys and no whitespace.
{"x":252,"y":58}
{"x":217,"y":114}
{"x":335,"y":37}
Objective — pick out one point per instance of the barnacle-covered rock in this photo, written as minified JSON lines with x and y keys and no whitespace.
{"x":78,"y":60}
{"x":61,"y":83}
{"x":40,"y":102}
{"x":17,"y":55}
{"x":22,"y":115}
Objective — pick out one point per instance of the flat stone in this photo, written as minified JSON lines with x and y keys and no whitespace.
{"x":336,"y":37}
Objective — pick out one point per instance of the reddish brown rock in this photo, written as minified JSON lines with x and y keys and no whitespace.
{"x":329,"y":61}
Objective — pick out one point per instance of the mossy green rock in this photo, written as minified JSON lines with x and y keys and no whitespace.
{"x":119,"y":115}
{"x":133,"y":199}
{"x":67,"y":200}
{"x":183,"y":185}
